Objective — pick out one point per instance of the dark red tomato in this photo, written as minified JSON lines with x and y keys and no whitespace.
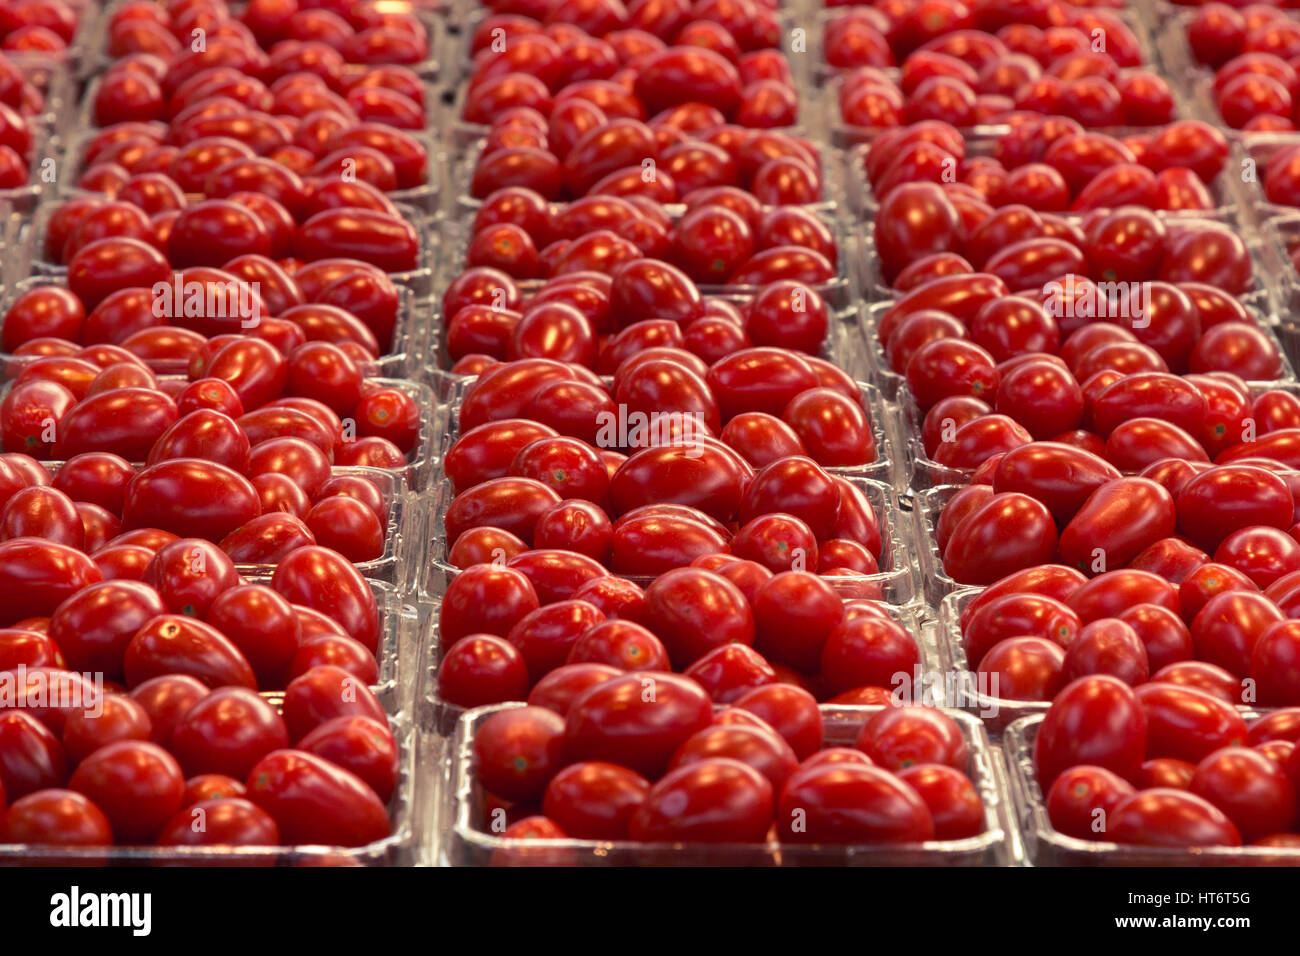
{"x":983,"y":548}
{"x":948,"y":367}
{"x":31,"y":757}
{"x":755,"y":744}
{"x":795,"y":613}
{"x":315,"y":802}
{"x":325,"y":581}
{"x":1017,"y":615}
{"x":1226,"y":629}
{"x":955,"y":807}
{"x":593,"y":800}
{"x":791,"y":711}
{"x":544,"y":637}
{"x":29,"y":648}
{"x":1186,"y":722}
{"x":190,"y":498}
{"x":844,"y":803}
{"x":1273,"y":664}
{"x":1107,"y":646}
{"x":94,"y":626}
{"x":900,"y":737}
{"x":1117,"y":522}
{"x":262,"y":625}
{"x":1023,"y":668}
{"x":1095,"y":720}
{"x":173,"y":644}
{"x":1250,"y":789}
{"x":1162,"y":633}
{"x":1207,"y":582}
{"x":362,"y":745}
{"x":166,"y":700}
{"x":719,"y":800}
{"x":517,"y":751}
{"x":1165,"y":817}
{"x":1226,"y":498}
{"x":914,"y":220}
{"x":56,"y":817}
{"x":323,"y":693}
{"x":227,"y":820}
{"x":120,"y":718}
{"x":1166,"y":772}
{"x":869,"y":651}
{"x":482,"y":669}
{"x":485,"y":599}
{"x":137,"y":784}
{"x":636,"y":720}
{"x":37,"y":576}
{"x":558,"y":689}
{"x":622,"y":644}
{"x":227,"y":732}
{"x":693,"y":611}
{"x":1109,"y":594}
{"x":1082,"y":799}
{"x":729,"y":671}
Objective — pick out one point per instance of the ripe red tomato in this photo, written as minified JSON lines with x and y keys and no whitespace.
{"x":1095,"y":720}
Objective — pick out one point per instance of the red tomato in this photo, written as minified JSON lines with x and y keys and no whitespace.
{"x":1095,"y":720}
{"x":315,"y":802}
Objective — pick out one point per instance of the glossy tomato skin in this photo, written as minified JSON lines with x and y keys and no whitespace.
{"x":175,"y":644}
{"x":517,"y":751}
{"x":849,"y":803}
{"x":362,"y":745}
{"x":593,"y":800}
{"x":636,"y":720}
{"x":325,"y":581}
{"x":1165,"y":817}
{"x":37,"y":576}
{"x":1223,"y":499}
{"x":1079,"y":793}
{"x":1094,"y":720}
{"x":191,"y":498}
{"x":1249,"y":788}
{"x":138,"y":785}
{"x":900,"y":737}
{"x":94,"y":626}
{"x":314,"y":801}
{"x":31,"y":757}
{"x":693,"y":611}
{"x":227,"y":732}
{"x":1187,"y":723}
{"x":1117,"y":522}
{"x":984,"y":547}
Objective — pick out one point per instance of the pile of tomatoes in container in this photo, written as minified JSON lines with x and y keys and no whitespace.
{"x":575,"y":432}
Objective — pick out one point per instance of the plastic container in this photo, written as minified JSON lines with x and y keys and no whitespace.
{"x":468,"y":844}
{"x":839,"y":291}
{"x":1045,"y":846}
{"x":894,"y":584}
{"x":395,"y":849}
{"x":927,"y":505}
{"x":418,"y":280}
{"x":467,"y":143}
{"x":884,"y":469}
{"x":973,"y":695}
{"x":928,"y":686}
{"x":419,"y":464}
{"x":982,"y":141}
{"x":403,"y":361}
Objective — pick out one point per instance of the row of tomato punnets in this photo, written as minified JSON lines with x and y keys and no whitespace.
{"x":485,"y":598}
{"x":266,"y":409}
{"x":1121,"y":612}
{"x":1097,"y":66}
